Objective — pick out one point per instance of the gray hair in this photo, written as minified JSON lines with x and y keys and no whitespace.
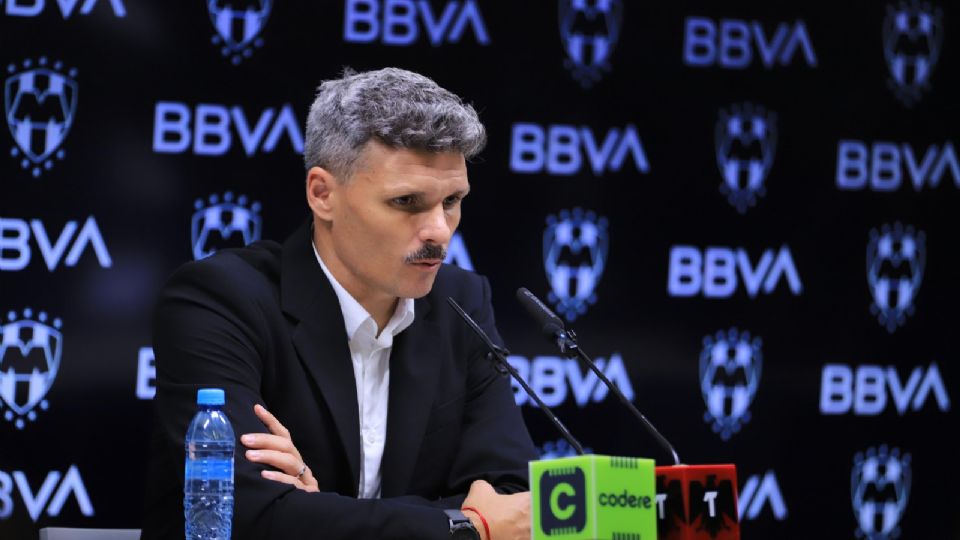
{"x":398,"y":108}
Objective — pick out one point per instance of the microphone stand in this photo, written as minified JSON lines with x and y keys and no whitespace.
{"x":570,"y":348}
{"x":498,"y":355}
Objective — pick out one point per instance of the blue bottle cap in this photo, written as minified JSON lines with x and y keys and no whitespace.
{"x":210,"y":396}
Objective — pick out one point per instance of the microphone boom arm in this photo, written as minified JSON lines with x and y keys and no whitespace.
{"x":568,"y":344}
{"x":499,"y":355}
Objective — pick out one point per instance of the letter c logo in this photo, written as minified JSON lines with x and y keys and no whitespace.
{"x":562,"y":513}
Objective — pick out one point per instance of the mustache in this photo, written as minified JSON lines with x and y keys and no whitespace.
{"x":426,"y":252}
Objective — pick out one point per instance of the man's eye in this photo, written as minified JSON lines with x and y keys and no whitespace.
{"x":405,"y":200}
{"x":451,"y":201}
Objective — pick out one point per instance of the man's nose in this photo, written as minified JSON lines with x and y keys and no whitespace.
{"x":436,"y":227}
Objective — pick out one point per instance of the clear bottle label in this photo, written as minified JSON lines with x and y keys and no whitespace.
{"x":209,"y":469}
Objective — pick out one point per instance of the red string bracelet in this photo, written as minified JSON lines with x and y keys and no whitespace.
{"x":483,"y":520}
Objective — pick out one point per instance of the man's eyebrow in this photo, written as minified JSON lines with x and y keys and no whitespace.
{"x":404,"y":190}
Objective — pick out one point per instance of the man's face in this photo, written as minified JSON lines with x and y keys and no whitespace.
{"x":390,"y":224}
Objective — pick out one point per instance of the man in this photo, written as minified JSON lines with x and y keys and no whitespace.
{"x":344,"y":334}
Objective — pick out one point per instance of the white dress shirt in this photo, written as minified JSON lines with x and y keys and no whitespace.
{"x":370,"y":353}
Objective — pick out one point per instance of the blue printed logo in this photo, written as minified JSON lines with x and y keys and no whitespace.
{"x":224,"y":223}
{"x":730,"y":365}
{"x":238,"y":24}
{"x":589,"y":30}
{"x":575,"y":247}
{"x":912,"y":39}
{"x":880,"y":487}
{"x":746,"y":141}
{"x":40,"y":102}
{"x":30,"y":352}
{"x":559,"y":448}
{"x":896,"y":256}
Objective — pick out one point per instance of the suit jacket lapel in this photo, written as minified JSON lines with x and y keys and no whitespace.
{"x":414,"y":364}
{"x":321,"y":339}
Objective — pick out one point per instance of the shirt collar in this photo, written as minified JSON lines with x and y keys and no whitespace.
{"x":354,"y":315}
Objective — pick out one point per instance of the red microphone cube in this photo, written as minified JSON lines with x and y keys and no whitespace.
{"x":697,"y":502}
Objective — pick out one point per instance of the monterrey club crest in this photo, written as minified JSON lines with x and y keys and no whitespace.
{"x":589,"y":30}
{"x":40,"y":102}
{"x":223,"y":223}
{"x":912,"y":40}
{"x":880,"y":488}
{"x":575,"y":247}
{"x":238,"y":25}
{"x":30,"y":351}
{"x":746,"y":141}
{"x":896,"y":255}
{"x":730,"y":365}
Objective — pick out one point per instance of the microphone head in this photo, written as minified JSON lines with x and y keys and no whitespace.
{"x":551,"y":329}
{"x":549,"y":323}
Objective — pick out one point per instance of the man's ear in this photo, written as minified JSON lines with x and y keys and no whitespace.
{"x":321,"y":185}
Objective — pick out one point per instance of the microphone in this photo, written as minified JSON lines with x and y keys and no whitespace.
{"x":693,"y":502}
{"x":498,"y":355}
{"x":553,"y":327}
{"x":550,"y":324}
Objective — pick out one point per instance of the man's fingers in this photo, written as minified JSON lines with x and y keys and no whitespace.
{"x":280,"y":460}
{"x":277,"y":450}
{"x":263,"y":441}
{"x":270,"y":421}
{"x":287,"y":479}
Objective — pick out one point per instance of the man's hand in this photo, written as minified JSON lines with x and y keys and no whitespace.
{"x":507,"y":515}
{"x":277,"y":450}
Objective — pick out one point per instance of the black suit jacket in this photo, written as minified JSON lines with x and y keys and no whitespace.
{"x":264,"y":323}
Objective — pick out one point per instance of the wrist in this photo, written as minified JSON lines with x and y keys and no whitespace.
{"x":479,"y":522}
{"x":463,"y":527}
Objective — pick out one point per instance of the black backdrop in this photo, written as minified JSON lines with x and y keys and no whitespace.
{"x":76,"y":456}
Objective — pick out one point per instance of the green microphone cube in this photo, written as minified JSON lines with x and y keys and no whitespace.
{"x":593,"y":498}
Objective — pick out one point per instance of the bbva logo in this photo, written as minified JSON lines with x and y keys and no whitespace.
{"x":395,"y":22}
{"x":67,"y":8}
{"x":146,"y":373}
{"x":730,"y":44}
{"x":457,"y":253}
{"x":714,"y":272}
{"x":864,"y":389}
{"x":562,"y":150}
{"x":762,"y":491}
{"x":553,"y":378}
{"x":16,"y":251}
{"x":51,"y":495}
{"x":209,"y":129}
{"x":885,"y":165}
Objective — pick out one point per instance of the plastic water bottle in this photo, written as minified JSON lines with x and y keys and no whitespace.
{"x":208,"y":478}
